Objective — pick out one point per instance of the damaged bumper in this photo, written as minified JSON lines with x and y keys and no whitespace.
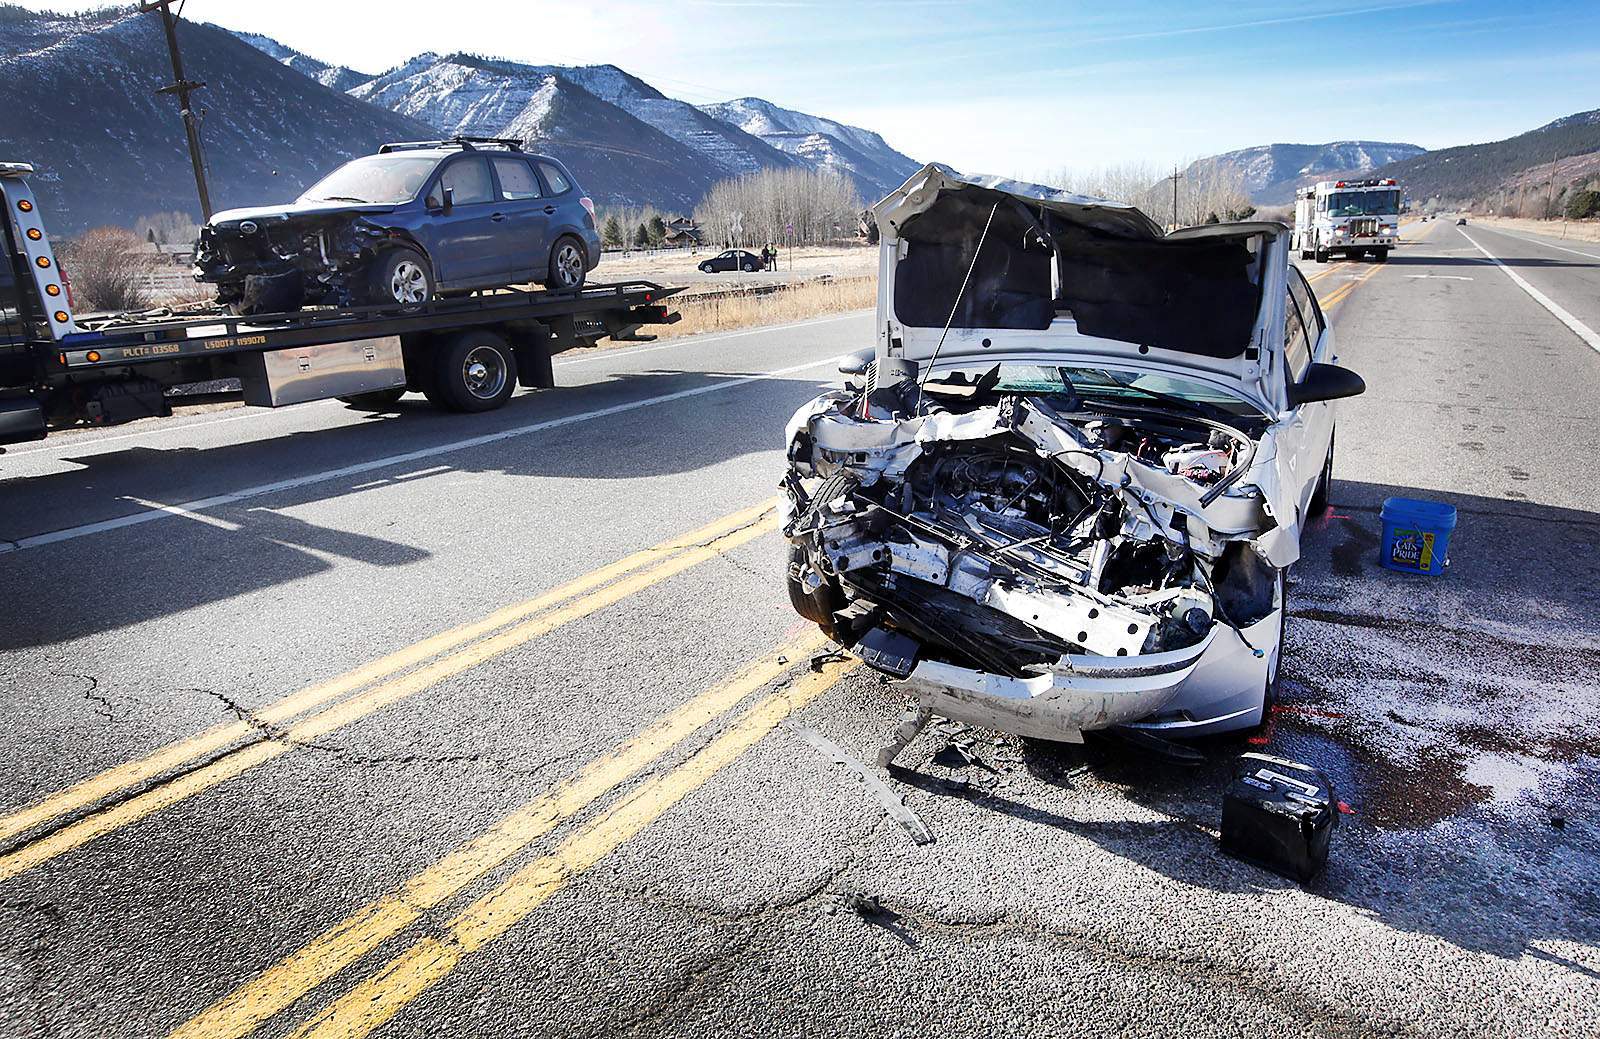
{"x":1081,"y":692}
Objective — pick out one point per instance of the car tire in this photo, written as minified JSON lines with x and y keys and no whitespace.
{"x":377,"y":400}
{"x":473,"y":370}
{"x":401,"y":275}
{"x":1319,"y":496}
{"x":749,"y":268}
{"x":569,"y":264}
{"x":1274,"y":681}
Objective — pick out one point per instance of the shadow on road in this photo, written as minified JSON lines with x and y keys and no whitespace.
{"x":179,"y":562}
{"x":1457,"y":715}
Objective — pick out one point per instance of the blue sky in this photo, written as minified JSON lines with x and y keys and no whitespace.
{"x":1018,"y":87}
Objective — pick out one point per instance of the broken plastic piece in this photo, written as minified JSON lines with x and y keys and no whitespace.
{"x":911,"y":723}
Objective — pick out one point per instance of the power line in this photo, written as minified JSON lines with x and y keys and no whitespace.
{"x":183,"y":88}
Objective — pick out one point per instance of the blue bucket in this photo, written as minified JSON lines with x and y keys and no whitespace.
{"x":1416,"y":535}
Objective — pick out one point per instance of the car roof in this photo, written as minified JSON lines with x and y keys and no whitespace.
{"x":445,"y":153}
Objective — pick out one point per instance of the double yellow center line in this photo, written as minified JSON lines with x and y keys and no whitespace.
{"x":429,"y":960}
{"x":399,"y":675}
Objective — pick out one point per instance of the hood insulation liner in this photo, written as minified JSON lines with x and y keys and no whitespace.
{"x":1195,"y":295}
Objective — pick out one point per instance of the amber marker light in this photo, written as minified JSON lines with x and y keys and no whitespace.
{"x":52,"y":289}
{"x":61,"y":316}
{"x":34,"y":234}
{"x":43,"y":261}
{"x":93,"y":357}
{"x":25,"y":206}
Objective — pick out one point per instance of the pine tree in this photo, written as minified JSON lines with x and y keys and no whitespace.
{"x":641,"y":236}
{"x":611,"y":233}
{"x":657,"y":228}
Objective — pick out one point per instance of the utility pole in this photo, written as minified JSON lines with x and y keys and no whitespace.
{"x":183,"y":88}
{"x":1176,"y":176}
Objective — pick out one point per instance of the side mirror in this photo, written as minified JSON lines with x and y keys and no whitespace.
{"x":1325,"y":382}
{"x":442,"y":201}
{"x":856,"y":363}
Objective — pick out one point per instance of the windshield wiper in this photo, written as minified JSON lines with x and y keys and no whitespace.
{"x":341,"y":198}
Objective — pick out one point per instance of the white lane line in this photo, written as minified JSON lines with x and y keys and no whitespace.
{"x":156,"y":512}
{"x":1547,"y":245}
{"x":1583,"y":331}
{"x":1441,"y":277}
{"x":87,"y":443}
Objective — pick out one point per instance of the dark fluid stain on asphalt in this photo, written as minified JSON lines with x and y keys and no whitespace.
{"x":1350,"y":555}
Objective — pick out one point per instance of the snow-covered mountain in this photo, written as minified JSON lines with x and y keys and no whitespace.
{"x":618,"y":156}
{"x":821,"y":143}
{"x":334,"y":77}
{"x":80,"y":103}
{"x":1271,"y":172}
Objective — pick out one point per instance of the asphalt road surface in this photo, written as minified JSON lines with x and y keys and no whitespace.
{"x":330,"y":723}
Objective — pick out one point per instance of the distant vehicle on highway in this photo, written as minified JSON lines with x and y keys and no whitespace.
{"x":1353,"y":217}
{"x":732,"y":260}
{"x":1461,"y":221}
{"x":1063,"y":491}
{"x":402,"y":226}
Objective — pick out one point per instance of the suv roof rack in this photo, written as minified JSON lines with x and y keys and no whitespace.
{"x":465,"y":143}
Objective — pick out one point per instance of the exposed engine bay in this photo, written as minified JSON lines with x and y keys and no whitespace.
{"x":1013,"y":531}
{"x":269,"y":264}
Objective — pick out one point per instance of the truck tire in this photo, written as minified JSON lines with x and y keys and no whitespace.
{"x":1322,"y":255}
{"x":473,"y":370}
{"x":1380,"y":255}
{"x":401,"y":275}
{"x":377,"y":400}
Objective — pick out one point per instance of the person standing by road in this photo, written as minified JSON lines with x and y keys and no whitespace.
{"x":769,"y":257}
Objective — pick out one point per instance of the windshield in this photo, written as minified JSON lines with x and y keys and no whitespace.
{"x":1364,"y":203}
{"x":1110,"y":383}
{"x":377,"y":178}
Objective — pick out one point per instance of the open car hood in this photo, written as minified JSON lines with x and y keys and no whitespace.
{"x":1062,"y":278}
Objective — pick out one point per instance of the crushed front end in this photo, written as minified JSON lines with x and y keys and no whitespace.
{"x":1023,"y":559}
{"x":262,"y":263}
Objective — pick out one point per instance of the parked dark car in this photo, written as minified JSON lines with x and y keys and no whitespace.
{"x":404,"y":225}
{"x":732,"y":260}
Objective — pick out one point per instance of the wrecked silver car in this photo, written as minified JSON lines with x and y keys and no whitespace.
{"x":1062,"y":491}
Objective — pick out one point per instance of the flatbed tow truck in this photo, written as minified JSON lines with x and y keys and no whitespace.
{"x":59,"y":369}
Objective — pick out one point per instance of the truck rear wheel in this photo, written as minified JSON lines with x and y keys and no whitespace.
{"x":1380,"y":255}
{"x":473,"y":370}
{"x":1322,"y":255}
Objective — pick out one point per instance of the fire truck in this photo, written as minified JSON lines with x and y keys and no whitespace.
{"x":61,"y":368}
{"x":1353,"y":217}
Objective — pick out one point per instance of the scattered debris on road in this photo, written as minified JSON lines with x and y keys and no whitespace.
{"x":893,"y":803}
{"x":1278,"y":814}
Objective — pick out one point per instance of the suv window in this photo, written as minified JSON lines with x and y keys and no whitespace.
{"x":559,"y":184}
{"x":1309,"y":311}
{"x":517,"y":181}
{"x":468,"y":181}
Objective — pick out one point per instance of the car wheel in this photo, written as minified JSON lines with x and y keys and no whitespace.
{"x":402,"y":276}
{"x":568,"y":264}
{"x":1319,"y":497}
{"x":749,"y":268}
{"x":377,"y":400}
{"x":1273,"y":682}
{"x":473,"y":370}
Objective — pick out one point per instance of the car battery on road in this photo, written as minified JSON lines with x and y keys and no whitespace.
{"x":1279,"y":814}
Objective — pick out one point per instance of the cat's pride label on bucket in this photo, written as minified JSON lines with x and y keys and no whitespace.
{"x":1412,"y":548}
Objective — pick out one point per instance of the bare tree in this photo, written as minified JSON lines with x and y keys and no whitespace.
{"x":110,"y":269}
{"x":167,"y":228}
{"x":760,"y":209}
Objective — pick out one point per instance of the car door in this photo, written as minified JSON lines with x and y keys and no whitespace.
{"x":1309,"y":433}
{"x":467,"y":248}
{"x":525,"y":228}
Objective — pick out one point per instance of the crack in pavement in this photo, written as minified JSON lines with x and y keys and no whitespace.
{"x":104,"y":708}
{"x":279,"y":734}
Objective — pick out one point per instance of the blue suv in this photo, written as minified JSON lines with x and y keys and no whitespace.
{"x":403,"y":226}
